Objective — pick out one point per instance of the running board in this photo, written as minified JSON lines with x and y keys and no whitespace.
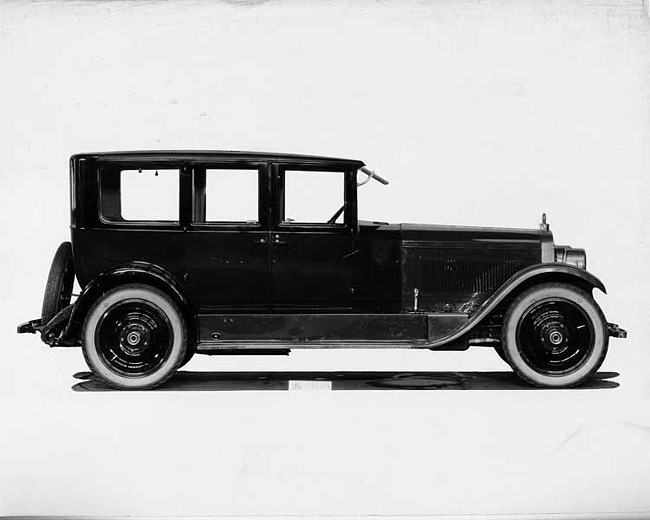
{"x":333,"y":330}
{"x":308,"y":328}
{"x":283,"y":347}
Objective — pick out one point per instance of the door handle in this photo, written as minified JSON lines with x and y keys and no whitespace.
{"x":276,"y":240}
{"x":260,"y":241}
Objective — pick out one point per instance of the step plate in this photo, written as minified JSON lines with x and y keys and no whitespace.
{"x":319,"y":330}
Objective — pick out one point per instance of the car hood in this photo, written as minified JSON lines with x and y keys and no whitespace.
{"x":428,"y":232}
{"x":463,"y":233}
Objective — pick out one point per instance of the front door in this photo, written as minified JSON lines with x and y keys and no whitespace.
{"x":312,"y":238}
{"x":227,"y":261}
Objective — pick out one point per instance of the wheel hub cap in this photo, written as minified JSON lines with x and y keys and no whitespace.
{"x":134,"y":337}
{"x":555,"y":337}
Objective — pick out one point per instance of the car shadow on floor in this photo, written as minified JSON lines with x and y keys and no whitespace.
{"x":185,"y":381}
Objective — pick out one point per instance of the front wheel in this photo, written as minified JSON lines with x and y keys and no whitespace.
{"x":554,"y":335}
{"x":134,"y":337}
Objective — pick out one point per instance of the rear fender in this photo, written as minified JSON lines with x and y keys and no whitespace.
{"x":526,"y":278}
{"x":132,"y":272}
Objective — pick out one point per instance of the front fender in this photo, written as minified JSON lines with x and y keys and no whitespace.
{"x":533,"y":275}
{"x":132,"y":272}
{"x":552,"y":272}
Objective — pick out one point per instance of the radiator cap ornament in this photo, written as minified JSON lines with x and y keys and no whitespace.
{"x":544,"y":226}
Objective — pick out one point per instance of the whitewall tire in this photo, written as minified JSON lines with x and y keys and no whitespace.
{"x":134,"y":337}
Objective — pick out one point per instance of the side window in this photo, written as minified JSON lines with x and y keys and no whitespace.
{"x":313,"y":197}
{"x":140,"y":195}
{"x":226,"y":195}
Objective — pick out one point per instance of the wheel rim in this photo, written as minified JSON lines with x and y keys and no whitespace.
{"x":134,"y":337}
{"x":555,"y":337}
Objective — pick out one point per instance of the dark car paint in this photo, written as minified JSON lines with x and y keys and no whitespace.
{"x":450,"y":277}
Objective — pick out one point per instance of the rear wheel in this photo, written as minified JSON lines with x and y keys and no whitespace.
{"x":554,"y":335}
{"x":58,"y":290}
{"x":134,"y":337}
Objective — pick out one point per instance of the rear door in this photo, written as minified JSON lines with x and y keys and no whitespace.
{"x":129,"y":212}
{"x":227,"y":260}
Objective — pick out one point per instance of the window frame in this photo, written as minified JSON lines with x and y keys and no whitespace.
{"x":263,"y":195}
{"x":349,"y":214}
{"x":121,"y":166}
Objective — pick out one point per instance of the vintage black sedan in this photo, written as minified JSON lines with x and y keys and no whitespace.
{"x":184,"y":252}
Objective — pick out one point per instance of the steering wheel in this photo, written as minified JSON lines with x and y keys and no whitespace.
{"x":336,"y":215}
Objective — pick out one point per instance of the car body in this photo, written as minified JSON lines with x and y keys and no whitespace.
{"x":258,"y":281}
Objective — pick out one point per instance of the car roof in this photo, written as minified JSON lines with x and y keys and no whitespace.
{"x":189,"y":155}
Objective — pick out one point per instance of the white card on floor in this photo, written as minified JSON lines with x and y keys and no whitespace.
{"x":310,"y":385}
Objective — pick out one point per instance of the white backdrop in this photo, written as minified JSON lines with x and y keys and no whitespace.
{"x":483,"y":113}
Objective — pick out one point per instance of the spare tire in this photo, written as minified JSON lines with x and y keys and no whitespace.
{"x":58,"y":290}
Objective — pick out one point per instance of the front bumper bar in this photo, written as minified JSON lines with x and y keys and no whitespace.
{"x":615,"y":331}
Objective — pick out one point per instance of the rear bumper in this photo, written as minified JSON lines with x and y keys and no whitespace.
{"x":31,"y":327}
{"x":54,"y":331}
{"x":615,"y":331}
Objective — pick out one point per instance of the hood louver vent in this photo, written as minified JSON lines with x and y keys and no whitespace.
{"x":447,"y":275}
{"x":459,"y":279}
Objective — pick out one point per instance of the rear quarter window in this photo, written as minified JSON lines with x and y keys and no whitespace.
{"x":139,"y":195}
